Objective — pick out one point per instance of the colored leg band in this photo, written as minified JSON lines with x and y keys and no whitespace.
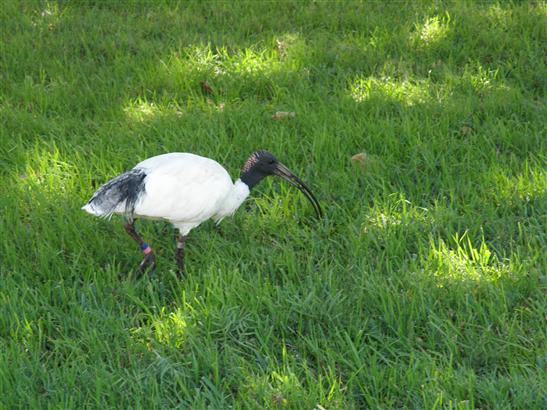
{"x":146,"y":248}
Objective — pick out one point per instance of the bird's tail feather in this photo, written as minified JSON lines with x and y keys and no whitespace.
{"x":119,"y":195}
{"x":90,"y":209}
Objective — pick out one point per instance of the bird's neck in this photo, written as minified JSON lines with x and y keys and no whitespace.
{"x":251,"y":177}
{"x":240,"y":191}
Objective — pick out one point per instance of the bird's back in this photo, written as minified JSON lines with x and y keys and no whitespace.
{"x":182,"y":187}
{"x":177,"y":160}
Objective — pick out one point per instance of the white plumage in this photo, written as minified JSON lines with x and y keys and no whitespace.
{"x":184,"y":189}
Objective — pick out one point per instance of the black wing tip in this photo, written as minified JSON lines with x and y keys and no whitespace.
{"x":126,"y":188}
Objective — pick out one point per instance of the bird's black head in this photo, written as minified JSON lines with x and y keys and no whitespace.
{"x":262,"y":164}
{"x":259,"y":165}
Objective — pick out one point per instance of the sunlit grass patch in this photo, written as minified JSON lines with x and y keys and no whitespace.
{"x":142,"y":111}
{"x":485,"y":81}
{"x":432,"y":31}
{"x":48,"y":172}
{"x":48,"y":17}
{"x":165,"y":328}
{"x":499,"y":15}
{"x":408,"y":93}
{"x":460,"y":262}
{"x":222,"y":61}
{"x":249,"y":61}
{"x":219,"y":74}
{"x":396,"y":211}
{"x":528,"y":186}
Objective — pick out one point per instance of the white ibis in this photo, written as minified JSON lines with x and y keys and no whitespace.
{"x":186,"y":190}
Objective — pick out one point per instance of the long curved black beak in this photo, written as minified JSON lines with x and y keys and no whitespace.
{"x":285,"y":173}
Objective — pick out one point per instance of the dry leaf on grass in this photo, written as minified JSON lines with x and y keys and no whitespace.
{"x":206,"y":88}
{"x":360,"y":158}
{"x":282,"y":114}
{"x":466,"y":129}
{"x":368,"y":162}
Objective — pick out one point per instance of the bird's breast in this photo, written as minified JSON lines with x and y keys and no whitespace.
{"x":233,"y":200}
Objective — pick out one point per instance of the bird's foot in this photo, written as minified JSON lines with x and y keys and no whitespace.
{"x":148,"y":263}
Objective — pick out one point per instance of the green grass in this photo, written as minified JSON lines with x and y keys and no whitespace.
{"x":424,"y":286}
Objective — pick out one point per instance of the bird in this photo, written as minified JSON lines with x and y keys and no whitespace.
{"x":185,"y":190}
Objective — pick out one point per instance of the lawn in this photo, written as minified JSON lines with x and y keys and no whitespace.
{"x":423,"y":286}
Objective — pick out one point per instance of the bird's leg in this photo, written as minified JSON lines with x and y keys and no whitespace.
{"x":179,"y":256}
{"x":149,"y":260}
